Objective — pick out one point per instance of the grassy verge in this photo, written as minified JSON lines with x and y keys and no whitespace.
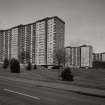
{"x":87,"y":78}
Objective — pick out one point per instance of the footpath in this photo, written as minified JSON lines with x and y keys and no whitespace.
{"x":73,"y":88}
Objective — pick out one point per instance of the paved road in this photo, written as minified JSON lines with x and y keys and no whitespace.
{"x":20,"y":93}
{"x":74,"y":88}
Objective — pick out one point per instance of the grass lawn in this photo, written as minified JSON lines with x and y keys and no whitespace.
{"x":90,"y":78}
{"x":87,"y":78}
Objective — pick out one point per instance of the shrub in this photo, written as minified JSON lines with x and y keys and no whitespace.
{"x":66,"y":74}
{"x":35,"y":67}
{"x":6,"y":63}
{"x":44,"y":66}
{"x":14,"y":66}
{"x":29,"y":66}
{"x":98,"y":64}
{"x":56,"y":67}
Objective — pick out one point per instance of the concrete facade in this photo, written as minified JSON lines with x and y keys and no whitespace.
{"x":86,"y":56}
{"x":73,"y":58}
{"x":39,"y":40}
{"x":55,"y":39}
{"x":77,"y":57}
{"x":14,"y":42}
{"x":97,"y":57}
{"x":103,"y":57}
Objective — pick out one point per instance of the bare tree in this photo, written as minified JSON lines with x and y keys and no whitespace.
{"x":22,"y":57}
{"x":60,"y":57}
{"x":68,"y":58}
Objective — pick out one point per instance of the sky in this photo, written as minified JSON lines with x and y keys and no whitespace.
{"x":84,"y":19}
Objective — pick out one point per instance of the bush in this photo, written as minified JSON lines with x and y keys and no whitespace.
{"x":98,"y":64}
{"x":29,"y":66}
{"x":44,"y":66}
{"x":56,"y":67}
{"x":6,"y":63}
{"x":14,"y":66}
{"x":66,"y":74}
{"x":35,"y":67}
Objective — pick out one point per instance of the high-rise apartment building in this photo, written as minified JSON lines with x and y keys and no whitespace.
{"x":39,"y":40}
{"x":40,"y":44}
{"x":79,"y":56}
{"x":28,"y":42}
{"x":68,"y":56}
{"x":86,"y":56}
{"x":9,"y":44}
{"x":4,"y":44}
{"x":100,"y":57}
{"x":97,"y":57}
{"x":49,"y":38}
{"x":21,"y":32}
{"x":14,"y":42}
{"x":103,"y":56}
{"x":75,"y":53}
{"x":73,"y":58}
{"x":55,"y":38}
{"x":33,"y":30}
{"x":1,"y":45}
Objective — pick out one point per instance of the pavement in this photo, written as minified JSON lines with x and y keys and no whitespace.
{"x":73,"y":88}
{"x":16,"y":91}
